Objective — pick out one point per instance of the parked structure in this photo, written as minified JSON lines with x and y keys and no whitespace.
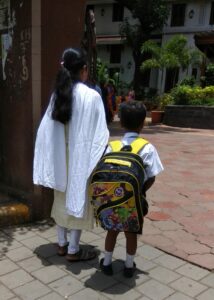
{"x":194,"y":19}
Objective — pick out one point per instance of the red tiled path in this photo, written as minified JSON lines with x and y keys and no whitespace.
{"x":181,"y":217}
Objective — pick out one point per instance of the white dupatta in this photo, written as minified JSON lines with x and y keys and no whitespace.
{"x":87,"y":138}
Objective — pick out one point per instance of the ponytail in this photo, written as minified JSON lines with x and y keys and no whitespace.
{"x":62,"y":97}
{"x":73,"y":60}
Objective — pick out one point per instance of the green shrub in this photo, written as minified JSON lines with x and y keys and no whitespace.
{"x":210,"y":101}
{"x":181,"y":94}
{"x":164,"y":100}
{"x":209,"y":75}
{"x":209,"y":91}
{"x":190,"y":81}
{"x":186,"y":95}
{"x":203,"y":102}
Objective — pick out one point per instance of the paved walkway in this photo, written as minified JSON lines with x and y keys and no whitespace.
{"x":180,"y":222}
{"x":30,"y":269}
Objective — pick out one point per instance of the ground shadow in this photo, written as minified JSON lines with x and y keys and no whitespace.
{"x":10,"y":236}
{"x":48,"y":255}
{"x":116,"y":284}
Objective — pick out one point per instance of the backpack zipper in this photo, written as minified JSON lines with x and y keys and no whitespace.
{"x":131,"y":158}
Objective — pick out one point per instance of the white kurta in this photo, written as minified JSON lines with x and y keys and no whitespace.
{"x":87,"y":138}
{"x":59,"y":214}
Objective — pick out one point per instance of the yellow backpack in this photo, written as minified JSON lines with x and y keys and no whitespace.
{"x":116,"y":185}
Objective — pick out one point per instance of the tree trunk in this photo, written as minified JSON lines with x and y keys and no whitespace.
{"x":138,"y":76}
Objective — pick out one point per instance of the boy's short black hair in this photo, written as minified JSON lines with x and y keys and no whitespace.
{"x":132,"y":114}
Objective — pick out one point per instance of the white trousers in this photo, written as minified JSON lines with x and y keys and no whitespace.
{"x":74,"y":238}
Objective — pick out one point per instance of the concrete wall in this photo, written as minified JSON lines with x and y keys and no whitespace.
{"x":189,"y":116}
{"x":62,"y":26}
{"x":16,"y":99}
{"x":38,"y":30}
{"x":199,"y":21}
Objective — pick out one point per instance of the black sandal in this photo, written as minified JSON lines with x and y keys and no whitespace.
{"x":129,"y":272}
{"x":107,"y":270}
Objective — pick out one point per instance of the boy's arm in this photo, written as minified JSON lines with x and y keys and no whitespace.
{"x":153,"y":165}
{"x":149,"y":182}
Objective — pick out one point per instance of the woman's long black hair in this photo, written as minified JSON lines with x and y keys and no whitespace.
{"x":73,"y":60}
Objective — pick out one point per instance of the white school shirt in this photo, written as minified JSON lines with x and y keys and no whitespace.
{"x":149,"y":155}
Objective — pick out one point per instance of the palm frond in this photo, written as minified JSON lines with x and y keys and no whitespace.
{"x":151,"y":47}
{"x":150,"y":64}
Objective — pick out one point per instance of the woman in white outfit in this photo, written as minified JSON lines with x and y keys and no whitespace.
{"x":71,"y":139}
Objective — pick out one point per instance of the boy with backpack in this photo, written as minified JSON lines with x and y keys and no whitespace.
{"x":121,"y":206}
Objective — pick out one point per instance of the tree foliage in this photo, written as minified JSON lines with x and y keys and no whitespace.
{"x":175,"y":53}
{"x":102,"y":72}
{"x":209,"y":75}
{"x":150,"y":16}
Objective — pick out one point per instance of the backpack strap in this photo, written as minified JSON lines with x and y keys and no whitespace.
{"x":138,"y":144}
{"x":116,"y":146}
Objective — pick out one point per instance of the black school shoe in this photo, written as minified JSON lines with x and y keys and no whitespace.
{"x":107,"y":270}
{"x":129,"y":272}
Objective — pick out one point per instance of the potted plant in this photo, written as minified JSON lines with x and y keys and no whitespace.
{"x":157,"y":115}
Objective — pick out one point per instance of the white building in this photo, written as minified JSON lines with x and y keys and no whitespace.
{"x":111,"y":47}
{"x":194,"y":19}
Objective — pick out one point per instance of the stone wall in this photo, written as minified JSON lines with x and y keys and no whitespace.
{"x":189,"y":116}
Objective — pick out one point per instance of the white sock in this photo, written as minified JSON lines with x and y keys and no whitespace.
{"x":108,"y":258}
{"x":129,"y":263}
{"x":74,"y":242}
{"x":62,"y":235}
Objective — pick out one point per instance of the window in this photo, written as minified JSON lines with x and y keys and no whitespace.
{"x":195,"y":73}
{"x":115,"y":54}
{"x":118,"y":12}
{"x":178,"y":14}
{"x":212,"y":14}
